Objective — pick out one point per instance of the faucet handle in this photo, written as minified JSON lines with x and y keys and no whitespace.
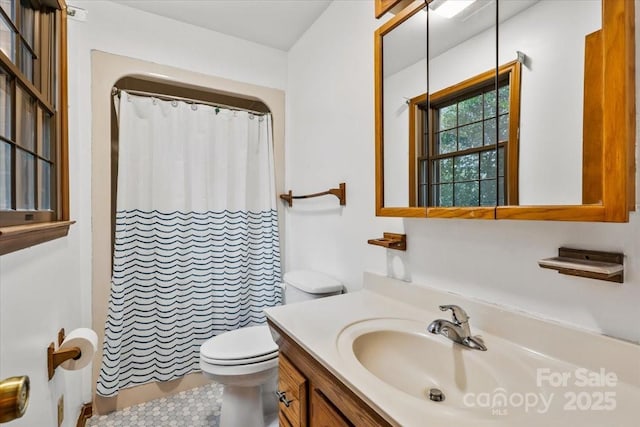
{"x":459,"y":315}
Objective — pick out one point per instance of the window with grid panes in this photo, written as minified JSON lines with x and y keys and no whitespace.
{"x":33,"y":137}
{"x":460,"y":162}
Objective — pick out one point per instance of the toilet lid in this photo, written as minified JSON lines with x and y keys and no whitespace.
{"x":312,"y":282}
{"x":241,"y":344}
{"x":235,"y":362}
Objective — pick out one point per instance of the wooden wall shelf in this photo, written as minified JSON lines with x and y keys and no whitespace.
{"x":607,"y":266}
{"x":391,"y":241}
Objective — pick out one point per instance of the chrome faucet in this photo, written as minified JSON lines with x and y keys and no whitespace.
{"x":457,"y":331}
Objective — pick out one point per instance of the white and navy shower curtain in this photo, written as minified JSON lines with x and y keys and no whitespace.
{"x":196,"y":245}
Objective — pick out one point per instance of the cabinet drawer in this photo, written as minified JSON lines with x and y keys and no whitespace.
{"x":292,"y":387}
{"x":283,"y":421}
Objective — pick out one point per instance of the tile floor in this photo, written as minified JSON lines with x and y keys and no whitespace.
{"x":199,"y":407}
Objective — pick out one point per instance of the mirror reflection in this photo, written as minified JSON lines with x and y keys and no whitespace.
{"x":404,"y":75}
{"x":555,"y":115}
{"x":467,"y":144}
{"x":458,"y":162}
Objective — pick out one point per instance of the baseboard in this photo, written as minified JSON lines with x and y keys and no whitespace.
{"x":86,"y":412}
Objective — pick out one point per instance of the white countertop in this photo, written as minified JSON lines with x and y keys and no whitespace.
{"x":316,"y":325}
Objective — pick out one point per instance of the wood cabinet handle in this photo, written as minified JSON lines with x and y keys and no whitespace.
{"x":282,"y":397}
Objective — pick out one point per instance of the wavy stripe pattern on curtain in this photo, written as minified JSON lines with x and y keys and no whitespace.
{"x":196,"y":246}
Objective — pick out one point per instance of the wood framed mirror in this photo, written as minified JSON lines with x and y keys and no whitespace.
{"x":605,"y":125}
{"x":393,"y":6}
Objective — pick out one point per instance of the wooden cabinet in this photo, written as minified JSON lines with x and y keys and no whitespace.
{"x":609,"y":124}
{"x":312,"y":396}
{"x":394,"y":6}
{"x":324,"y":414}
{"x":292,"y":391}
{"x":283,"y":421}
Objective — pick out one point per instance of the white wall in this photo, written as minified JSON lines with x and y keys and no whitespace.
{"x":551,"y":98}
{"x":48,"y":286}
{"x":330,"y":138}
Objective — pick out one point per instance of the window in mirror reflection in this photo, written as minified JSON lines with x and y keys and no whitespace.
{"x":458,"y":160}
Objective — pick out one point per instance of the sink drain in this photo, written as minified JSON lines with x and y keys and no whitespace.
{"x":435,"y":394}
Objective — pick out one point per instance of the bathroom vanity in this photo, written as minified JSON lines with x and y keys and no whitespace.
{"x":310,"y":395}
{"x":367,"y":359}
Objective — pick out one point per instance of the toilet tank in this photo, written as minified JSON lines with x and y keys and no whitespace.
{"x":303,"y":285}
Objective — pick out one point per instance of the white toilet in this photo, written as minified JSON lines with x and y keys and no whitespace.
{"x":245,"y":361}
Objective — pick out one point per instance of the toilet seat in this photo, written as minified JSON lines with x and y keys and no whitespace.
{"x":233,"y":362}
{"x":243,"y":346}
{"x":245,"y":375}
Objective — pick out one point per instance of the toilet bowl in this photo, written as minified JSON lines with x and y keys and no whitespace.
{"x":242,"y":360}
{"x":245,"y":360}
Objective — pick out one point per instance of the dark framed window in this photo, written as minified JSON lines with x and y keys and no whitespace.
{"x":467,"y":144}
{"x":33,"y":129}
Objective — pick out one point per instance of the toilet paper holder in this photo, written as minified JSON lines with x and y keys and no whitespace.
{"x":56,"y":358}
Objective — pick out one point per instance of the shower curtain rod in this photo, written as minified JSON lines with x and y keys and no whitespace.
{"x":116,"y":92}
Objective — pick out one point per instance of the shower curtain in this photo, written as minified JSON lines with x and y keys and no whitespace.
{"x":196,"y":243}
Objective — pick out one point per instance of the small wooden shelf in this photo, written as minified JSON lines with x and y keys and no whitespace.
{"x":607,"y":266}
{"x":391,"y":241}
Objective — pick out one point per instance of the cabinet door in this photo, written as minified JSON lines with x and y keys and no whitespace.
{"x":324,"y":414}
{"x":292,"y":386}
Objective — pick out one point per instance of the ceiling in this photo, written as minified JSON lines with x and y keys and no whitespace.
{"x":275,"y":23}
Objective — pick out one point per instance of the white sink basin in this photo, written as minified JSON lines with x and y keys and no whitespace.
{"x":401,"y":354}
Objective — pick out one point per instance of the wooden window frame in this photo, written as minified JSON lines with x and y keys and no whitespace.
{"x":22,"y":229}
{"x":430,"y":155}
{"x":511,"y":73}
